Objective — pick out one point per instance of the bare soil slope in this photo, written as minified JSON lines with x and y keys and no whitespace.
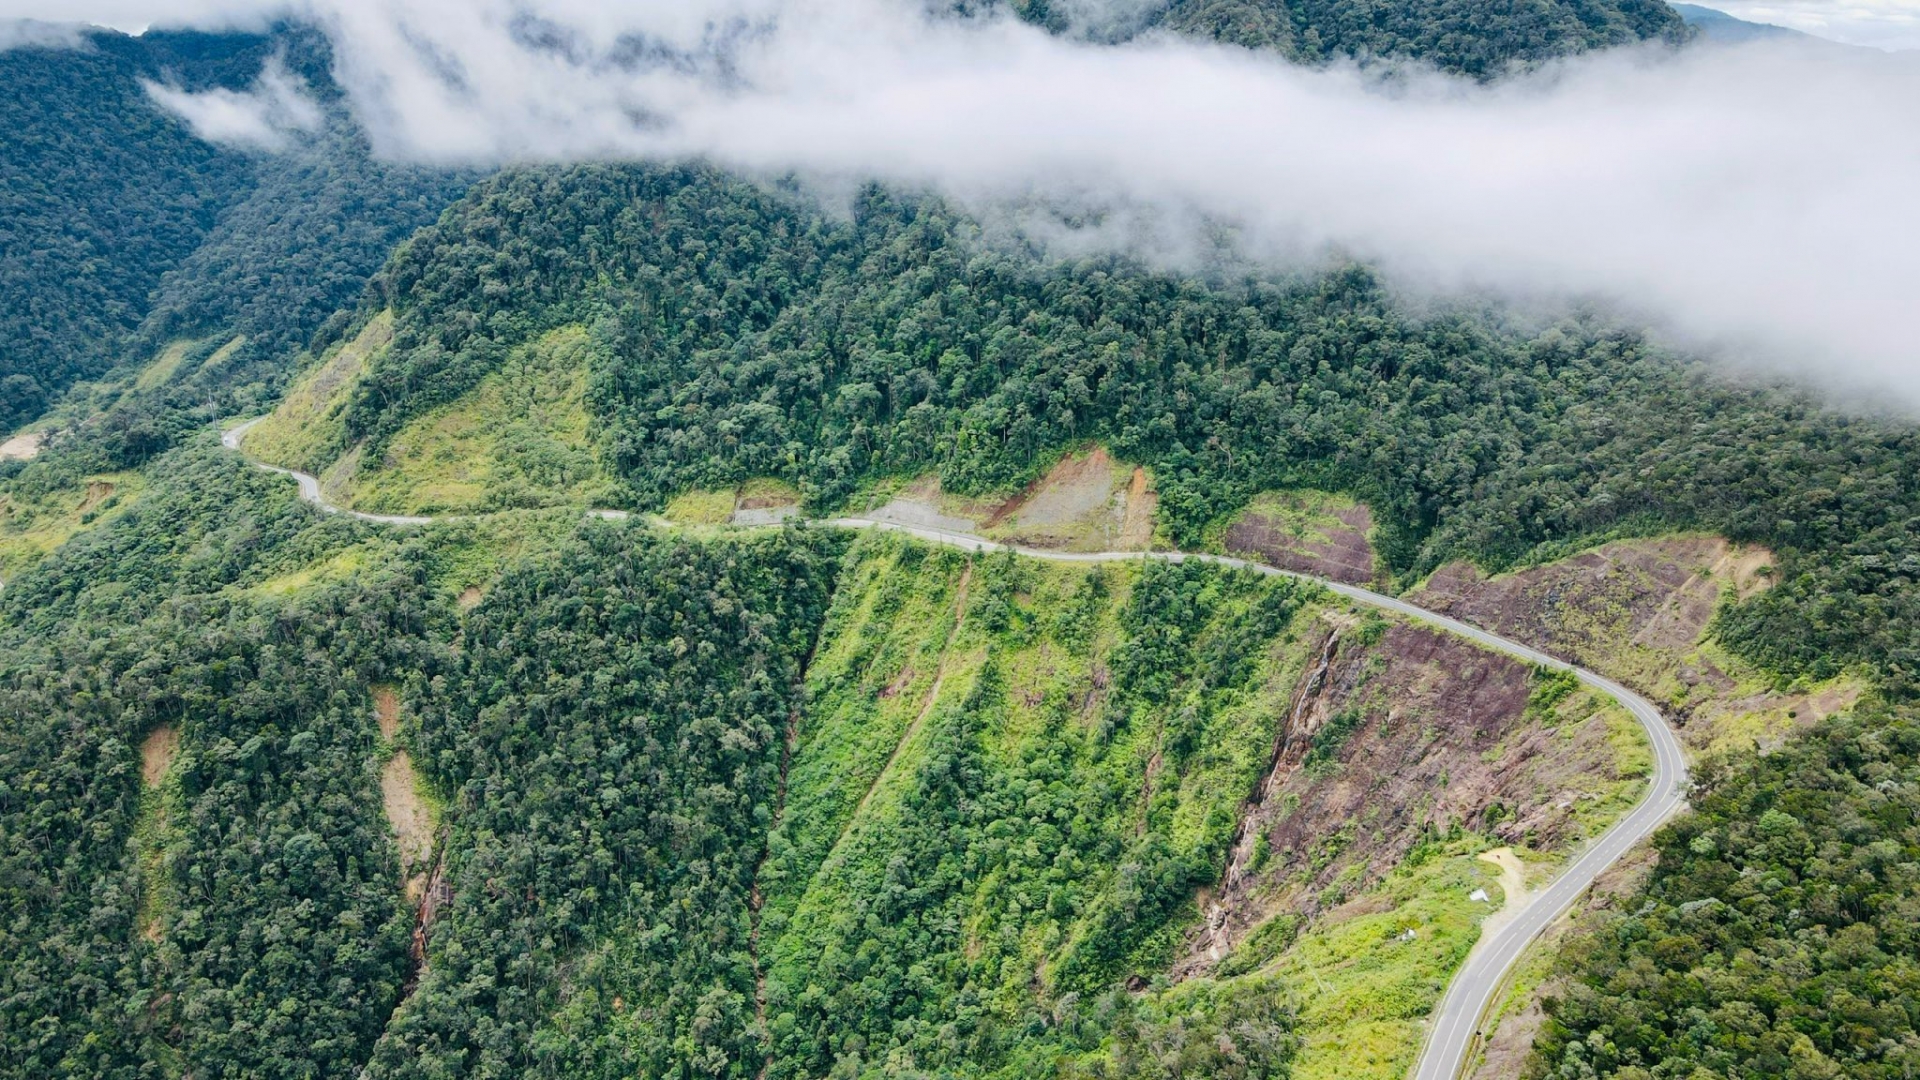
{"x":1086,"y":502}
{"x":1639,"y":610}
{"x":1307,"y":532}
{"x":1389,"y":741}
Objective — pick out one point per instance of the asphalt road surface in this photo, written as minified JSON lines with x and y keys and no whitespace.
{"x":1454,"y":1027}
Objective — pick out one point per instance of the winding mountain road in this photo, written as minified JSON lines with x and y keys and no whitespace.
{"x":1455,"y":1025}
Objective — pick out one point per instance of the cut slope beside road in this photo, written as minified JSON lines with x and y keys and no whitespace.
{"x":1454,"y":1027}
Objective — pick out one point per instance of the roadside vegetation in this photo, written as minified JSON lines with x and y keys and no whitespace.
{"x":287,"y":794}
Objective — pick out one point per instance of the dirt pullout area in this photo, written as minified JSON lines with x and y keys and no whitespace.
{"x":1086,"y":502}
{"x":1304,"y":533}
{"x":921,"y":506}
{"x":1503,"y":1055}
{"x":1383,"y":744}
{"x":157,"y":753}
{"x":1638,"y":610}
{"x":22,"y":447}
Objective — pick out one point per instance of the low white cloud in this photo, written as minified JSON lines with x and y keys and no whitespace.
{"x":263,"y":117}
{"x":1758,"y":198}
{"x":35,"y":34}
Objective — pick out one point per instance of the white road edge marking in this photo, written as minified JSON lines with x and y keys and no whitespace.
{"x":1454,"y":1026}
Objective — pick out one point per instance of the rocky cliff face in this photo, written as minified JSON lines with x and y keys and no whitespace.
{"x":1397,"y":735}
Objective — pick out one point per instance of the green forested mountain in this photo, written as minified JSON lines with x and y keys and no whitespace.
{"x":102,"y":193}
{"x":1777,"y":935}
{"x":776,"y":802}
{"x":1482,"y":38}
{"x":738,"y":333}
{"x":291,"y":794}
{"x":122,"y":230}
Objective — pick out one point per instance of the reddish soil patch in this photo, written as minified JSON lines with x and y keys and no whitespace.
{"x":1418,"y":730}
{"x":1340,"y":552}
{"x":1083,"y":505}
{"x":98,"y":491}
{"x":386,"y":710}
{"x":157,"y":754}
{"x":1659,"y":593}
{"x":469,"y":598}
{"x":1636,"y":610}
{"x":1071,"y":490}
{"x":900,"y":682}
{"x":412,"y":825}
{"x":1136,"y":528}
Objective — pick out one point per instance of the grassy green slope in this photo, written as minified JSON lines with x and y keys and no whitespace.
{"x":1011,"y":779}
{"x":738,"y":333}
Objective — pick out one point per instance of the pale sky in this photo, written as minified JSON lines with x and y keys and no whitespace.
{"x":1885,"y":24}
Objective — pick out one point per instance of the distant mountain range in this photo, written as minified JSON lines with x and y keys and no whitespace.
{"x":1720,"y":27}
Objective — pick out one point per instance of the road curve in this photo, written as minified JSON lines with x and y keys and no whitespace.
{"x":310,"y":488}
{"x":1453,"y":1028}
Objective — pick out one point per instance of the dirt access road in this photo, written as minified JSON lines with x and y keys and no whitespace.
{"x":1454,"y":1030}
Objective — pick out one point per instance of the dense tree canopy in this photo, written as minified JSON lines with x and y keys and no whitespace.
{"x":739,"y":332}
{"x":240,"y":918}
{"x":120,"y":230}
{"x":694,"y":819}
{"x":100,"y":193}
{"x":1778,"y":934}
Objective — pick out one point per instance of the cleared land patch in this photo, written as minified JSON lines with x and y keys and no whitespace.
{"x":306,"y":431}
{"x":410,"y":814}
{"x":1412,"y":735}
{"x":22,"y":447}
{"x":1310,"y":532}
{"x":30,"y":528}
{"x":1086,"y":502}
{"x":1639,"y":611}
{"x":157,"y":752}
{"x":519,"y":439}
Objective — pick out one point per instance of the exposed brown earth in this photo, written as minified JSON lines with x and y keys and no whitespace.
{"x":22,"y":447}
{"x":1338,"y":549}
{"x":157,"y":754}
{"x":434,"y":897}
{"x":406,"y":811}
{"x":1656,"y":593}
{"x":469,"y":598}
{"x":1437,"y":734}
{"x":1086,"y":502}
{"x":98,"y":491}
{"x":922,"y":505}
{"x":412,"y":824}
{"x":1638,"y":610}
{"x":386,"y":711}
{"x":1136,"y":526}
{"x":1073,"y":489}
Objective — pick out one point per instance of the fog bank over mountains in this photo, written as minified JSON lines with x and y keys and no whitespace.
{"x":1755,"y":197}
